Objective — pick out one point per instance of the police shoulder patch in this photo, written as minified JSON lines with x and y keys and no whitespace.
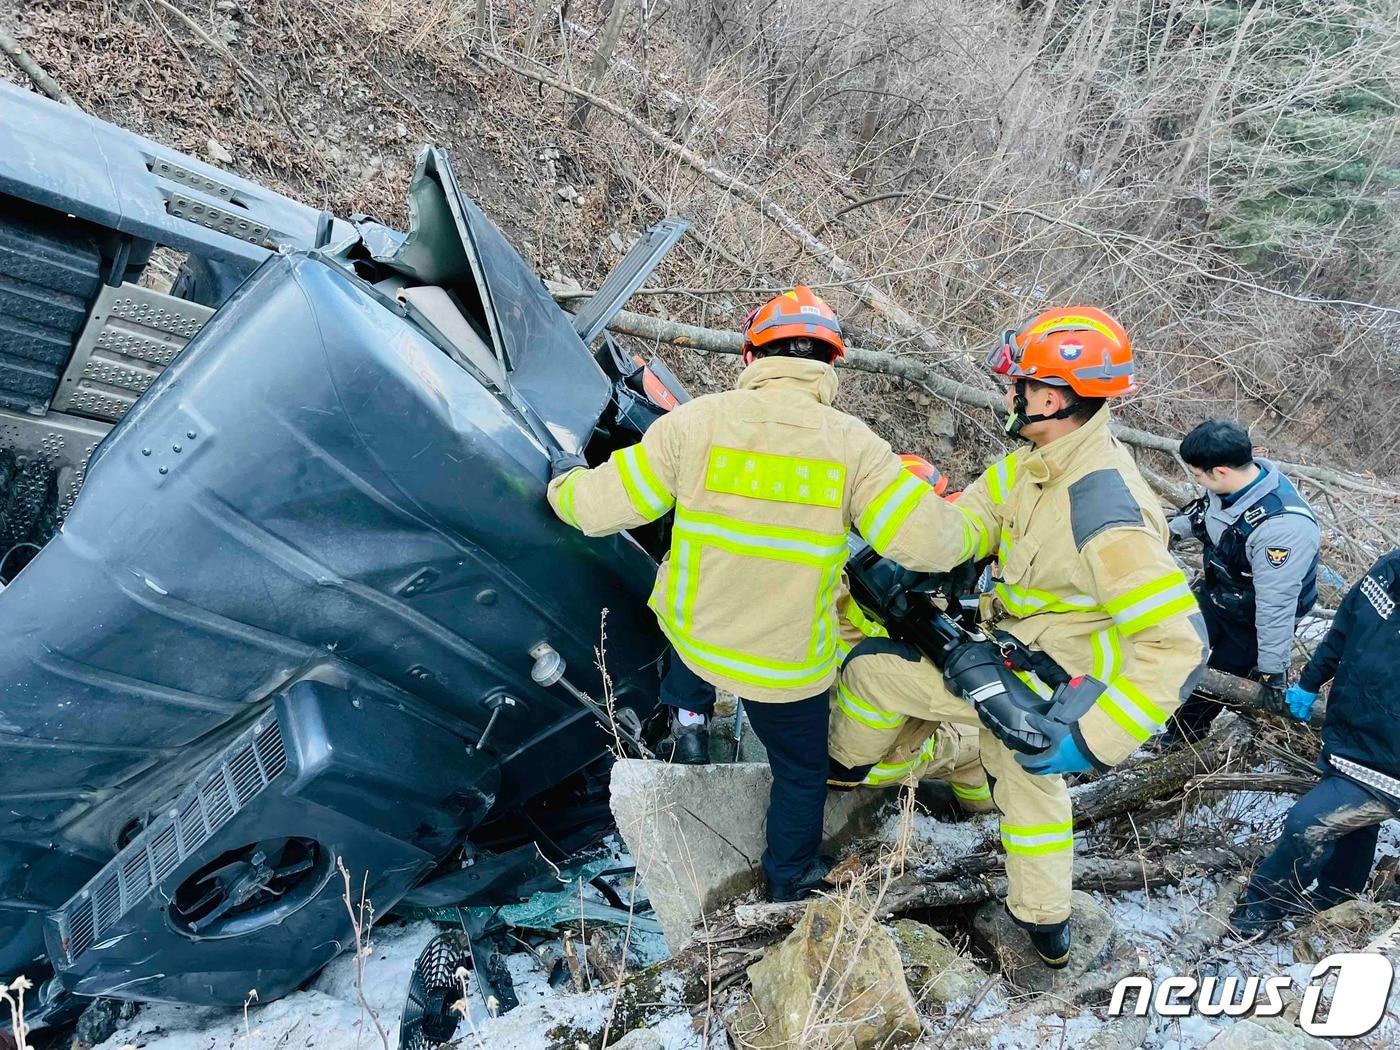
{"x":1277,"y":555}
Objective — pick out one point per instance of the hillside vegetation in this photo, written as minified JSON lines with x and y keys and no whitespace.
{"x":1221,"y":176}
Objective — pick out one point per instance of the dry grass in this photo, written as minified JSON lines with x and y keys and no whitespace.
{"x":12,"y":995}
{"x":361,"y":914}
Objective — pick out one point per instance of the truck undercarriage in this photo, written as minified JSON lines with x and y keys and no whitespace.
{"x":278,"y":566}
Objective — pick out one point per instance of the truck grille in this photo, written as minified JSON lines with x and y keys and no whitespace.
{"x":239,"y":775}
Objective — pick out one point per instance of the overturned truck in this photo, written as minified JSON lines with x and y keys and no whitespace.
{"x":281,"y":589}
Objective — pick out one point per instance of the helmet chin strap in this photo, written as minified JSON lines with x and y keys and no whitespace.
{"x":1017,"y":420}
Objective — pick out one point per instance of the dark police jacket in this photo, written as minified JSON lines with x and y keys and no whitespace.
{"x":1361,"y":658}
{"x":1261,"y":556}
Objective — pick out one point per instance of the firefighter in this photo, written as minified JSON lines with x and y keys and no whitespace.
{"x":922,"y":750}
{"x":1089,"y":609}
{"x":765,"y":481}
{"x":1329,"y":836}
{"x":1260,"y":555}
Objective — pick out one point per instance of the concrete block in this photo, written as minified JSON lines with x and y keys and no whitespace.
{"x":697,"y":833}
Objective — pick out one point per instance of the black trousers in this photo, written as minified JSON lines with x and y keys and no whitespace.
{"x":1329,"y":839}
{"x":1234,"y":648}
{"x":794,"y":734}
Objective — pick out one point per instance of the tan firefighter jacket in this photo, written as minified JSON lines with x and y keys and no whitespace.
{"x":1085,"y":577}
{"x":765,"y":480}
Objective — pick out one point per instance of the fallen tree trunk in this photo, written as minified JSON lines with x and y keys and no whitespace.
{"x":1090,"y":873}
{"x":1280,"y":783}
{"x":1242,"y":692}
{"x":966,"y":876}
{"x":36,"y":73}
{"x":1131,"y":787}
{"x":715,"y":341}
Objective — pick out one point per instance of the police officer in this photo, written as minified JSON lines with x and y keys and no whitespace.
{"x":1329,"y":836}
{"x":1261,"y":554}
{"x":765,"y":481}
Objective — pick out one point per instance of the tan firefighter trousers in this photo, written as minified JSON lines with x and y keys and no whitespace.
{"x":1036,"y":820}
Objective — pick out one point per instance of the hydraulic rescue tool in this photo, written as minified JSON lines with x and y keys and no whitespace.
{"x":993,"y":674}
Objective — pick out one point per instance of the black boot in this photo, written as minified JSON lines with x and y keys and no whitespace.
{"x":690,"y":744}
{"x":812,"y":879}
{"x":1050,"y":940}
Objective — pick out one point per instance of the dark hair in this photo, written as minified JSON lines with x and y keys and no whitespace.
{"x":813,"y":349}
{"x":1080,"y":407}
{"x":1217,"y":443}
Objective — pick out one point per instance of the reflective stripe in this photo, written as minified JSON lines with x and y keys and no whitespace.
{"x":976,"y":542}
{"x":1001,"y":477}
{"x":566,"y":497}
{"x":1031,"y":839}
{"x":973,"y":794}
{"x":1004,"y":546}
{"x":819,"y":549}
{"x":827,"y":628}
{"x":1130,"y":708}
{"x":885,"y":772}
{"x":887,"y":511}
{"x":1069,"y":324}
{"x":786,"y":479}
{"x":693,"y":532}
{"x":1027,"y":601}
{"x":1150,"y":604}
{"x":743,"y":667}
{"x":862,"y":623}
{"x":649,"y":497}
{"x":1108,"y":655}
{"x":856,"y":709}
{"x":1036,"y":685}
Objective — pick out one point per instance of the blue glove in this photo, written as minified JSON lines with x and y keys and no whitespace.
{"x":1300,"y":702}
{"x":1064,"y":757}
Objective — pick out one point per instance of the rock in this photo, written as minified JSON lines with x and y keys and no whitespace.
{"x":1093,"y":943}
{"x":638,"y":1039}
{"x":936,"y":971}
{"x":1348,"y":926}
{"x":751,"y":749}
{"x":697,"y":833}
{"x":745,"y":1025}
{"x":1265,"y":1033}
{"x":215,"y":153}
{"x":100,"y":1021}
{"x":1123,"y":1033}
{"x":837,"y":973}
{"x":567,"y":193}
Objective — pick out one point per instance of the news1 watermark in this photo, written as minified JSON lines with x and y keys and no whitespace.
{"x":1360,"y":987}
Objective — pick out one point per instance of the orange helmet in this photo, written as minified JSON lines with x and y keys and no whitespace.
{"x":925,"y":471}
{"x":798,"y":314}
{"x":1077,"y":346}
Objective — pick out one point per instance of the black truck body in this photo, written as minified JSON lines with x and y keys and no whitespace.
{"x":277,"y":554}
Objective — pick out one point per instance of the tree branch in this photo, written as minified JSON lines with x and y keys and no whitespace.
{"x":715,"y":341}
{"x":45,"y":83}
